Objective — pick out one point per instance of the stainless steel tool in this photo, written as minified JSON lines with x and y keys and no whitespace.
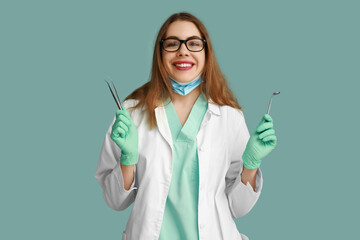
{"x":275,"y":93}
{"x":118,"y":102}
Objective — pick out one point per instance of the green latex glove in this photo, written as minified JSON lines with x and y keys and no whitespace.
{"x":125,"y":135}
{"x":260,"y":144}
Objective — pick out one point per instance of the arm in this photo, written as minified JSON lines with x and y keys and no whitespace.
{"x":243,"y":186}
{"x":249,"y":175}
{"x":128,"y":175}
{"x":117,"y":193}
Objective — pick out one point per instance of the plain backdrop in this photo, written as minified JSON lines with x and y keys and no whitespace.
{"x":56,"y":108}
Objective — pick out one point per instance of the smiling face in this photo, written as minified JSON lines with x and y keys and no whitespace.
{"x":172,"y":60}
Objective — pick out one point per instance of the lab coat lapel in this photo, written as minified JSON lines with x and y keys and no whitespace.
{"x":163,"y":125}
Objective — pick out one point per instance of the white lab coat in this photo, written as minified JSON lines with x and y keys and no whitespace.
{"x":221,"y":141}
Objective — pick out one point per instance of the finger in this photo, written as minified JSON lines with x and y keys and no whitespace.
{"x":267,"y":118}
{"x":125,"y":120}
{"x":117,"y":132}
{"x":116,"y":124}
{"x":118,"y":113}
{"x":124,"y":127}
{"x":121,"y":120}
{"x":266,"y":133}
{"x":124,"y":116}
{"x":123,"y":112}
{"x":270,"y":139}
{"x":120,"y":132}
{"x":266,"y":125}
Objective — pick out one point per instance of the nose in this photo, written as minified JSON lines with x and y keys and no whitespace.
{"x":183,"y":50}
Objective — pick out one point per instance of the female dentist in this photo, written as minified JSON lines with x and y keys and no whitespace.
{"x":180,"y":149}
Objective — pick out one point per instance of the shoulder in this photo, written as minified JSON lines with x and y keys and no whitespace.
{"x":232,"y":119}
{"x":137,"y":113}
{"x":130,"y":103}
{"x":225,"y":111}
{"x":131,"y":106}
{"x":231,"y":112}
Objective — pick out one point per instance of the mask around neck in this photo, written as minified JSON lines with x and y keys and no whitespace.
{"x":185,"y":88}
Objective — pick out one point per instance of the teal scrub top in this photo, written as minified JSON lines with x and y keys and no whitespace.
{"x":180,"y":220}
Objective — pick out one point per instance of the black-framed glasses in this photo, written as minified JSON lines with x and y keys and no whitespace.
{"x":173,"y":44}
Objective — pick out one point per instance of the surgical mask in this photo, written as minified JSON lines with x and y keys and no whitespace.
{"x":185,"y":88}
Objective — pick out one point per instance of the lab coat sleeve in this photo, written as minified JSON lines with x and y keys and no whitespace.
{"x":109,"y":176}
{"x":241,"y":197}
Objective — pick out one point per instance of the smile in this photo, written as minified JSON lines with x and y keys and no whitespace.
{"x":184,"y":66}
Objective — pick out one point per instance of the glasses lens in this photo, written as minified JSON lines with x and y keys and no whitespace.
{"x":171,"y":44}
{"x":195,"y":45}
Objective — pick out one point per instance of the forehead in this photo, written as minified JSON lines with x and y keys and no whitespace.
{"x":182,"y":30}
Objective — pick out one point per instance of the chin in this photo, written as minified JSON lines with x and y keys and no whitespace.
{"x":185,"y":78}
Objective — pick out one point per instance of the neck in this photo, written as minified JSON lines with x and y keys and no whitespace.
{"x":187,"y":100}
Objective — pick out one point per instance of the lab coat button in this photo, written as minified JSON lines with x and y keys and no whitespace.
{"x":202,"y":226}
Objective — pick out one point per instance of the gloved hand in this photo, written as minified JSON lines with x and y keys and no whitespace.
{"x":260,"y":144}
{"x":125,"y":135}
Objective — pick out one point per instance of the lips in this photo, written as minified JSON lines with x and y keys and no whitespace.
{"x":180,"y":62}
{"x":183,"y":65}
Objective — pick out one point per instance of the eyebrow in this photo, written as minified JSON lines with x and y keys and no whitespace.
{"x":192,"y":37}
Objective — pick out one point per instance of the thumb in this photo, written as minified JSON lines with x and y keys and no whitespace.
{"x":126,"y":113}
{"x":266,"y":118}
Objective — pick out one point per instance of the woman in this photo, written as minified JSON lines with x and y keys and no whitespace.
{"x":180,"y":150}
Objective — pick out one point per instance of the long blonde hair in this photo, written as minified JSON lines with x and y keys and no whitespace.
{"x":158,"y":89}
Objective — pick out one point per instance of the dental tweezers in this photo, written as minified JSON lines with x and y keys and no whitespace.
{"x":117,"y":100}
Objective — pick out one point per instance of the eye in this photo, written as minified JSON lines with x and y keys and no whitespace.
{"x":194,"y":43}
{"x":171,"y":43}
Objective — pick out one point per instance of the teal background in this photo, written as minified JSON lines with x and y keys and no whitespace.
{"x":56,"y":108}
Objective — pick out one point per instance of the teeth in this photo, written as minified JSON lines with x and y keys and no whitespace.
{"x":183,"y":65}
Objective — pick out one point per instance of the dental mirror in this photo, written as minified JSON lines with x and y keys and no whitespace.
{"x":275,"y":93}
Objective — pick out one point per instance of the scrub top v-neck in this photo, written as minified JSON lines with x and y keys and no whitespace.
{"x":180,"y":220}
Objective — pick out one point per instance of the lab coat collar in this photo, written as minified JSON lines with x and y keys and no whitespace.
{"x":162,"y":123}
{"x":213,"y":108}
